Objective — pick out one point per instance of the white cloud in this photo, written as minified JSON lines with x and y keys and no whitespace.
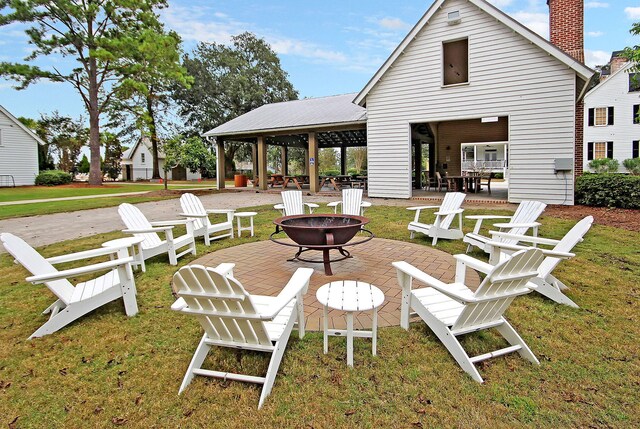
{"x":200,"y":24}
{"x":596,"y":58}
{"x":393,"y":24}
{"x":595,"y":33}
{"x":285,"y":46}
{"x":501,"y":3}
{"x":538,"y":22}
{"x":595,"y":4}
{"x":632,"y":12}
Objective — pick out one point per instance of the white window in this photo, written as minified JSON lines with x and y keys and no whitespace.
{"x":142,"y":158}
{"x":599,"y":150}
{"x":601,"y":116}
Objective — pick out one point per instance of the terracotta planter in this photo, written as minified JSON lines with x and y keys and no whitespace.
{"x":240,"y":180}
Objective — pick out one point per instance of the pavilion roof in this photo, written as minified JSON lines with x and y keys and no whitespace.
{"x":295,"y":116}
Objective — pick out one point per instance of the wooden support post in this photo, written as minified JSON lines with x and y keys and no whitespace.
{"x":418,"y":163}
{"x":284,"y":160}
{"x":314,"y":186}
{"x":220,"y":170}
{"x":343,"y":160}
{"x":254,"y":161}
{"x":306,"y":161}
{"x":262,"y":162}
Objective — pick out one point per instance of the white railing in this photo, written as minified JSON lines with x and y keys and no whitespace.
{"x":483,"y":165}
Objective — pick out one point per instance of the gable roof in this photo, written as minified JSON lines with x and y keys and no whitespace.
{"x":581,"y":70}
{"x":21,"y":125}
{"x":604,"y":82}
{"x":128,"y":154}
{"x":295,"y":114}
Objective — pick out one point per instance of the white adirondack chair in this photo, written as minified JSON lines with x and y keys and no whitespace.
{"x":292,"y":204}
{"x":202,"y":227}
{"x":139,"y":226}
{"x":524,"y":218}
{"x":451,"y":310}
{"x":351,"y":203}
{"x":545,"y":283}
{"x":441,"y":227}
{"x":76,"y":301}
{"x":233,"y":318}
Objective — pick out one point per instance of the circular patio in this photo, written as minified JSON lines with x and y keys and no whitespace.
{"x":262,"y":268}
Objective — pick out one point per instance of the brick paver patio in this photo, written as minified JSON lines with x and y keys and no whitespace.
{"x":262,"y":268}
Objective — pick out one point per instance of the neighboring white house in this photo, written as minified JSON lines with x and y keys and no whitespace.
{"x":472,"y":74}
{"x":137,"y":164}
{"x":611,"y":126}
{"x":18,"y":151}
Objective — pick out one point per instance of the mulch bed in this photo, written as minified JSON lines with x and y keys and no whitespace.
{"x":619,"y":218}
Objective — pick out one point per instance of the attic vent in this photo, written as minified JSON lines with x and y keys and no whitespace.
{"x":453,"y":18}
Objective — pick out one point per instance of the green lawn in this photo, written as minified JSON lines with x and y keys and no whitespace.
{"x":40,"y":192}
{"x":108,"y":370}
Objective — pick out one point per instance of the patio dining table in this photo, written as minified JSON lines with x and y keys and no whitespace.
{"x":469,"y":183}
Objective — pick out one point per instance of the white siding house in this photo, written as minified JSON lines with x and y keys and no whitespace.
{"x":137,"y":164}
{"x":18,"y":151}
{"x":611,"y":126}
{"x":504,"y":74}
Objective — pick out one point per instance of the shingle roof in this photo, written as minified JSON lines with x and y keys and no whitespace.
{"x":296,"y":114}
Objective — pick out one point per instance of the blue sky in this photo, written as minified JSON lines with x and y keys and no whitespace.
{"x":327,"y":47}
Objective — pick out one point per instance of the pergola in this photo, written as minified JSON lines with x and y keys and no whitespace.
{"x":311,"y":124}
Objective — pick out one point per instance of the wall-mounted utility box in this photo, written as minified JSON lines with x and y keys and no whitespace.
{"x":563,"y":164}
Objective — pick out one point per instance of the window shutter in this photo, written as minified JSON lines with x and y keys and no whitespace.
{"x":610,"y":150}
{"x":592,"y":115}
{"x":636,"y":109}
{"x":589,"y":151}
{"x":635,"y":150}
{"x":610,"y":115}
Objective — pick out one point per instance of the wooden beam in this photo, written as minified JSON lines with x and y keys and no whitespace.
{"x":254,"y":161}
{"x":283,"y":160}
{"x":220,"y":173}
{"x":262,"y":162}
{"x":314,"y":186}
{"x":343,"y":160}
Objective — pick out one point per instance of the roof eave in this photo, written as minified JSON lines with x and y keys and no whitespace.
{"x":21,"y":125}
{"x":212,"y":133}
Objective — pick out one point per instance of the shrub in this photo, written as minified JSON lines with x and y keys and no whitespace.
{"x":604,"y":165}
{"x":608,"y":190}
{"x":53,"y":178}
{"x":498,"y":175}
{"x":331,"y":173}
{"x":632,"y":165}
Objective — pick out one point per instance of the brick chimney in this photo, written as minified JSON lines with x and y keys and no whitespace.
{"x":566,"y":26}
{"x":566,"y":31}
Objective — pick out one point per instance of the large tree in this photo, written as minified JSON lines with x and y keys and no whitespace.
{"x":97,"y":34}
{"x":230,"y":81}
{"x":65,"y":138}
{"x":142,"y":100}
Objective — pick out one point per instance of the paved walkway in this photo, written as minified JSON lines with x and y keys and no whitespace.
{"x":267,"y":271}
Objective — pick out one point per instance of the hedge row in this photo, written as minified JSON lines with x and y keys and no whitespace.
{"x":608,"y":190}
{"x":53,"y":178}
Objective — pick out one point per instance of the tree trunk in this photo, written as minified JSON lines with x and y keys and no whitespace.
{"x":95,"y":172}
{"x":154,"y":137}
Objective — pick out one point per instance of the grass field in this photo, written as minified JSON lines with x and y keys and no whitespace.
{"x":108,"y":370}
{"x":22,"y":193}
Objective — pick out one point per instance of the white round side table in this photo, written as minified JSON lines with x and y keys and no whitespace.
{"x":241,"y":228}
{"x":350,"y":296}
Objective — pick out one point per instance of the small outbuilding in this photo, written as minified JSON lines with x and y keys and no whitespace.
{"x":18,"y":151}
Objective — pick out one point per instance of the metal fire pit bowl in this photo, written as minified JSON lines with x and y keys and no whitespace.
{"x":321,"y":232}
